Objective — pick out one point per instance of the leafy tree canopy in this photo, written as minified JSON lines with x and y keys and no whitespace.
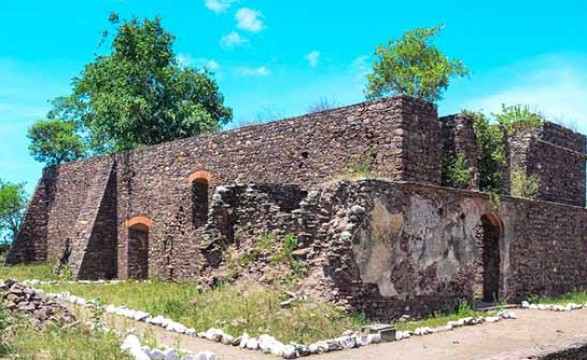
{"x":55,"y":141}
{"x":12,"y":207}
{"x":414,"y":66}
{"x":138,"y":94}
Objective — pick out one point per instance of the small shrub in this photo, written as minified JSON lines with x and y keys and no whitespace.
{"x":464,"y":309}
{"x":266,"y":241}
{"x":518,"y":117}
{"x":361,"y":167}
{"x":454,"y":172}
{"x":525,"y":186}
{"x":494,"y":202}
{"x":492,"y":158}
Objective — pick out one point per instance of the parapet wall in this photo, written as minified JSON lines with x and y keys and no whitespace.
{"x":557,"y":156}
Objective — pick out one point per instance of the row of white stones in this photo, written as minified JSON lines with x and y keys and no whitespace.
{"x":35,"y":282}
{"x":552,"y":307}
{"x":133,"y":347}
{"x":267,"y":343}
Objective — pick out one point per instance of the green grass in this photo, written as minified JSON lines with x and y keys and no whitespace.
{"x":440,"y":319}
{"x":577,"y":297}
{"x":24,"y":341}
{"x":28,"y":272}
{"x":234,"y":308}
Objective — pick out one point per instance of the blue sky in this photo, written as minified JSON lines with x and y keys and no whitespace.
{"x":279,"y":57}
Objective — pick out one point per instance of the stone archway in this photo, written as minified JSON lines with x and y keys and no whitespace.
{"x":488,"y":234}
{"x":138,"y":247}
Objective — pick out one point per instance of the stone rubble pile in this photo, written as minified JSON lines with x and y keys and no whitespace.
{"x":133,"y":347}
{"x":40,"y":309}
{"x":267,"y":343}
{"x":552,"y":307}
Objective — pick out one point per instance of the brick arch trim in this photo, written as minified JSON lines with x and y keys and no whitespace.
{"x":199,"y":176}
{"x":494,"y":220}
{"x":139,"y":222}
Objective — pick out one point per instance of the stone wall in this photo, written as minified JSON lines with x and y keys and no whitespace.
{"x":393,"y":248}
{"x":458,"y":137}
{"x":61,"y":210}
{"x":557,"y":156}
{"x":30,"y":244}
{"x":387,"y":248}
{"x":400,"y":244}
{"x":369,"y":137}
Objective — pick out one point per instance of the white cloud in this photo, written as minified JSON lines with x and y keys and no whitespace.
{"x":186,"y":60}
{"x":248,"y":19}
{"x":313,"y":58}
{"x":219,"y":6}
{"x":212,"y":65}
{"x":232,"y":40}
{"x":360,"y":65}
{"x":554,"y":85}
{"x":258,"y":71}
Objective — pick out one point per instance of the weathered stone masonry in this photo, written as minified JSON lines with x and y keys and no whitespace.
{"x":398,"y":244}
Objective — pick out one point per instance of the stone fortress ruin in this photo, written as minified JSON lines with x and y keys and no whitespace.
{"x":397,"y":242}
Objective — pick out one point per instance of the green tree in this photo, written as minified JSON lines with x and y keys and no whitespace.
{"x":138,"y":94}
{"x":12,"y":206}
{"x":54,"y":142}
{"x":414,"y":66}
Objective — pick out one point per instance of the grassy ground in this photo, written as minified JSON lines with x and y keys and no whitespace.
{"x":24,"y":341}
{"x":28,"y":272}
{"x":441,"y":319}
{"x":236,"y":309}
{"x":578,"y":297}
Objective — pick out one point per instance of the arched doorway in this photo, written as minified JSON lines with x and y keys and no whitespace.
{"x":138,"y":247}
{"x":488,"y":235}
{"x":200,"y":184}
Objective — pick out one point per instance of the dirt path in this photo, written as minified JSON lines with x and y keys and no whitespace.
{"x":534,"y":333}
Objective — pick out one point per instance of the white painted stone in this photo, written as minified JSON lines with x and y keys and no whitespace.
{"x":205,"y":355}
{"x":244,"y":340}
{"x":227,"y":339}
{"x":130,"y":342}
{"x":214,"y":334}
{"x":171,"y":354}
{"x":289,"y":352}
{"x":252,"y":344}
{"x":157,"y":354}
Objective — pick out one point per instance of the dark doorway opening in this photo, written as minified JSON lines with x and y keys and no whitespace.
{"x":138,"y":252}
{"x":488,"y":236}
{"x":200,"y":202}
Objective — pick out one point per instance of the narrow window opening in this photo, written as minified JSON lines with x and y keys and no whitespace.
{"x":200,"y":202}
{"x":488,"y":235}
{"x":138,"y":252}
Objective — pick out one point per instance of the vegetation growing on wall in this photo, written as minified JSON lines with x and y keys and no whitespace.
{"x":412,"y":65}
{"x":492,"y":158}
{"x":455,"y":173}
{"x":518,"y":117}
{"x":523,"y":185}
